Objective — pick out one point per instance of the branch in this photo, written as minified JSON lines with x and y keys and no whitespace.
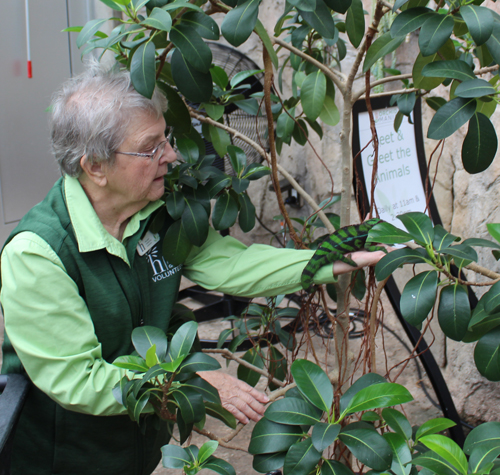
{"x":337,"y":78}
{"x":230,"y":356}
{"x":310,"y":201}
{"x":222,"y":442}
{"x":390,"y":93}
{"x":361,"y":92}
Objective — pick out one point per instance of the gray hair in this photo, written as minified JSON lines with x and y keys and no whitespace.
{"x":90,"y":115}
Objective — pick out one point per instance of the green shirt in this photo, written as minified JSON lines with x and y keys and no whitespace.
{"x":48,"y":322}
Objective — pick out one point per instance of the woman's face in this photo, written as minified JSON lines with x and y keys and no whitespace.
{"x":135,"y":181}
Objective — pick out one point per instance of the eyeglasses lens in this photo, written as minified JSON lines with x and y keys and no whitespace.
{"x":159,"y":151}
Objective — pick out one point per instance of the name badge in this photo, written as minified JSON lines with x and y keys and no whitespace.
{"x":147,"y":242}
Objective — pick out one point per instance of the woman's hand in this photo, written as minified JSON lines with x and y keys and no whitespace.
{"x":361,"y":258}
{"x":240,"y":399}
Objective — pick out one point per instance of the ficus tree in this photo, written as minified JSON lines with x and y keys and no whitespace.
{"x":164,"y":45}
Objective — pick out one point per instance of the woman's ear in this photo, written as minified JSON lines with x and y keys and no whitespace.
{"x":95,"y":171}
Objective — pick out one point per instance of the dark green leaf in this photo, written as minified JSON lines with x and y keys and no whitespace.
{"x":220,"y":139}
{"x":410,"y":20}
{"x":278,"y":366}
{"x":377,"y":396}
{"x":487,"y":355}
{"x":285,"y":125}
{"x":195,"y":223}
{"x":246,"y":218}
{"x":254,"y":357}
{"x":435,"y":102}
{"x":197,"y":362}
{"x":238,"y":159}
{"x":323,"y":435}
{"x":292,"y":411}
{"x":190,"y":403}
{"x":454,"y":312}
{"x":269,"y":437}
{"x":419,"y":225}
{"x":194,"y":50}
{"x":401,"y":453}
{"x":479,"y":21}
{"x":158,"y":19}
{"x":182,"y":341}
{"x":195,"y":85}
{"x":418,"y":297}
{"x":143,"y":69}
{"x":368,"y":446}
{"x":382,"y":46}
{"x":225,"y":212}
{"x":406,"y":103}
{"x":434,"y":33}
{"x":217,"y":411}
{"x":320,"y":19}
{"x":177,"y":114}
{"x":313,"y":383}
{"x":442,"y":238}
{"x":363,"y":382}
{"x":266,"y":41}
{"x":143,"y":338}
{"x":239,"y":23}
{"x":175,"y":204}
{"x":306,"y":5}
{"x":301,"y":458}
{"x":481,"y":457}
{"x":204,"y":25}
{"x":484,"y":435}
{"x":207,"y":391}
{"x":176,"y":246}
{"x":478,"y":242}
{"x":397,"y":422}
{"x":387,"y":233}
{"x":447,"y":52}
{"x":388,"y":264}
{"x":265,"y":463}
{"x":312,"y":94}
{"x":332,"y":467}
{"x":434,"y":463}
{"x":461,"y":251}
{"x":355,"y":23}
{"x":219,"y":466}
{"x":450,"y":117}
{"x":493,"y":43}
{"x":174,"y":456}
{"x":474,"y":88}
{"x":480,"y":144}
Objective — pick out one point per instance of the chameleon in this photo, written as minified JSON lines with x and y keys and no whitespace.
{"x":345,"y":240}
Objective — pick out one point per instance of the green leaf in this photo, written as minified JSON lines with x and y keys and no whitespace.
{"x":175,"y":204}
{"x":363,"y":382}
{"x":292,"y":411}
{"x":481,"y":457}
{"x":301,"y":458}
{"x":254,"y":357}
{"x":480,"y":144}
{"x":182,"y":341}
{"x":192,"y":47}
{"x":419,"y":225}
{"x":207,"y":449}
{"x":195,"y":85}
{"x":176,"y":246}
{"x":131,"y":363}
{"x":406,"y":103}
{"x":207,"y":391}
{"x":151,"y":357}
{"x":312,"y":94}
{"x":450,"y":117}
{"x":481,"y":323}
{"x":494,"y":230}
{"x":388,"y":264}
{"x":330,"y":114}
{"x":454,"y":311}
{"x":219,"y":466}
{"x":493,"y":43}
{"x":401,"y":453}
{"x":487,"y":355}
{"x":434,"y":463}
{"x":143,"y":338}
{"x":474,"y":88}
{"x":204,"y":25}
{"x":225,"y":212}
{"x":479,"y":21}
{"x":89,"y":30}
{"x":285,"y":125}
{"x":418,"y":297}
{"x":409,"y":21}
{"x":174,"y":456}
{"x":313,"y":383}
{"x":461,"y":251}
{"x":197,"y":362}
{"x":269,"y":437}
{"x":177,"y":114}
{"x":332,"y":467}
{"x":158,"y":19}
{"x":434,"y":33}
{"x":377,"y":396}
{"x":448,"y":449}
{"x":305,"y":5}
{"x":480,"y":243}
{"x":195,"y":223}
{"x":323,"y":435}
{"x":382,"y":46}
{"x":220,"y":139}
{"x":217,"y":411}
{"x":368,"y":446}
{"x":320,"y":19}
{"x":239,"y":23}
{"x":266,"y":41}
{"x":246,"y":218}
{"x":397,"y":422}
{"x":435,"y":102}
{"x":433,"y":426}
{"x":447,"y":52}
{"x":238,"y":159}
{"x":484,"y":435}
{"x":355,"y":23}
{"x":143,"y":69}
{"x":387,"y":233}
{"x":442,"y":238}
{"x":265,"y":463}
{"x":190,"y":404}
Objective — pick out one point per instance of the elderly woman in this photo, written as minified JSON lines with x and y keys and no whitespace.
{"x":74,"y":285}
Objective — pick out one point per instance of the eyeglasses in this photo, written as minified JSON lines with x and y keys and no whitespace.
{"x":156,"y":154}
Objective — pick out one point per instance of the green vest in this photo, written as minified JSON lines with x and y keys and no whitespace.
{"x":53,"y":440}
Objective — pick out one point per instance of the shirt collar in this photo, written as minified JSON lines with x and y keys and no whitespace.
{"x":90,"y":233}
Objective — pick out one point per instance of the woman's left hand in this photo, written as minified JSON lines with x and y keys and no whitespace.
{"x":239,"y":398}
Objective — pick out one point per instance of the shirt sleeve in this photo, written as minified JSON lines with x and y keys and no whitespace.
{"x":50,"y":327}
{"x":227,"y":265}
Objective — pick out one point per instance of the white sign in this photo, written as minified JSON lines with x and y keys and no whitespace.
{"x":398,"y":184}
